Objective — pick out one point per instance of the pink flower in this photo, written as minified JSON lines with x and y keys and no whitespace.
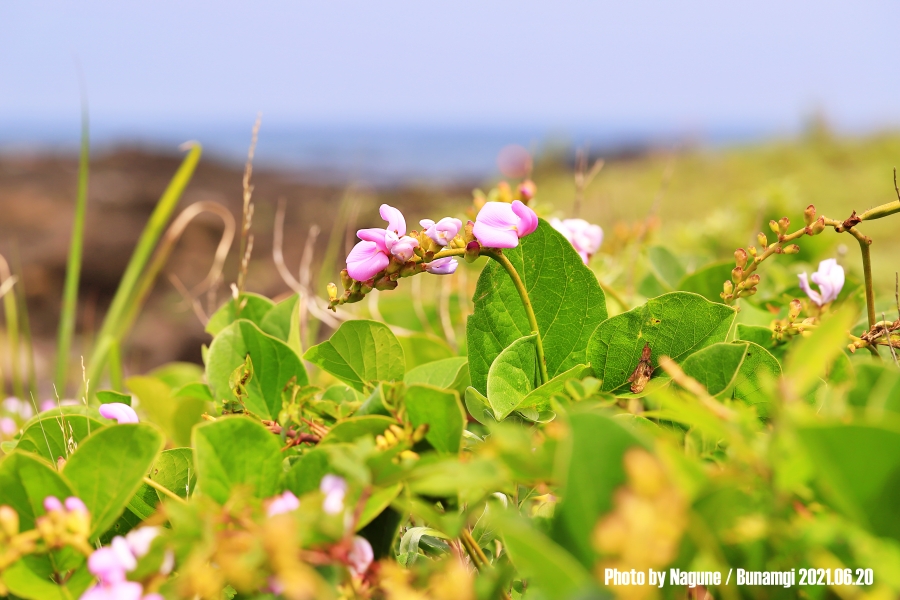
{"x":8,"y":426}
{"x":284,"y":503}
{"x":585,"y":237}
{"x":110,"y":563}
{"x":360,"y":556}
{"x":442,"y":266}
{"x":120,"y":412}
{"x":139,"y":540}
{"x":829,"y":278}
{"x":500,"y":225}
{"x":401,"y":248}
{"x":334,"y":488}
{"x":74,"y":504}
{"x":373,"y":253}
{"x":121,"y":590}
{"x":443,"y":231}
{"x":52,"y":504}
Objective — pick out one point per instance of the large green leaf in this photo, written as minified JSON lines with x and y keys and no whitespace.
{"x":448,"y":373}
{"x":274,"y":365}
{"x":30,"y":579}
{"x":539,"y":398}
{"x":568,"y":304}
{"x":421,"y":348}
{"x":359,"y":353}
{"x":512,"y":376}
{"x":442,"y":411}
{"x":233,"y":452}
{"x":716,"y":366}
{"x":860,"y":469}
{"x":283,"y":322}
{"x":666,"y":266}
{"x":174,"y":470}
{"x":749,"y":384}
{"x":255,"y":308}
{"x":25,"y":480}
{"x":54,"y":437}
{"x":109,"y":467}
{"x":592,"y":470}
{"x":674,"y":325}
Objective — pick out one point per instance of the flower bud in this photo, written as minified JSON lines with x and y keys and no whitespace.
{"x":783,"y":224}
{"x":346,"y":280}
{"x":740,"y":257}
{"x":762,"y":239}
{"x":729,"y":288}
{"x":737,"y":274}
{"x":385,"y":284}
{"x":332,"y":292}
{"x":468,"y":232}
{"x":752,"y":280}
{"x":748,"y":292}
{"x":818,"y":227}
{"x":792,"y":249}
{"x":9,"y":521}
{"x":794,"y":309}
{"x":809,"y":215}
{"x":751,"y":250}
{"x":473,"y":249}
{"x":527,"y":190}
{"x":773,"y":225}
{"x":411,"y":268}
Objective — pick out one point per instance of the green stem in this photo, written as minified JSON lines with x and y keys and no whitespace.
{"x":118,"y":310}
{"x":73,"y":268}
{"x":523,"y":295}
{"x":12,"y":330}
{"x":164,"y":490}
{"x":867,"y":275}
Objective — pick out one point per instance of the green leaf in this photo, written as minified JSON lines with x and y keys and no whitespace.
{"x":175,"y":416}
{"x":422,"y":348}
{"x":448,"y":373}
{"x":29,"y":579}
{"x":283,"y":322}
{"x":409,"y":543}
{"x":274,"y":364}
{"x":716,"y":366}
{"x":109,"y":467}
{"x":377,"y":503}
{"x":178,"y":374}
{"x":567,"y":300}
{"x":552,"y":570}
{"x":513,"y":375}
{"x":254,"y":310}
{"x":479,"y":407}
{"x":860,"y":471}
{"x":111,"y":396}
{"x":442,"y":411}
{"x":666,"y":266}
{"x":307,"y":471}
{"x":810,"y":357}
{"x":592,"y":472}
{"x":359,"y":353}
{"x":357,"y":427}
{"x":174,"y":470}
{"x":708,"y":281}
{"x":236,"y":452}
{"x":759,"y":365}
{"x":539,"y":398}
{"x":25,"y":480}
{"x":674,"y":325}
{"x":54,"y":437}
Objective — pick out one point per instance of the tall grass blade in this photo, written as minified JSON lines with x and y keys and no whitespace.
{"x":73,"y":268}
{"x":125,"y":294}
{"x":11,"y":313}
{"x":24,"y":322}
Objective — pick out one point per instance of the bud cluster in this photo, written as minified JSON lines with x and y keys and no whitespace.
{"x":395,"y":436}
{"x":644,"y":529}
{"x":742,"y":283}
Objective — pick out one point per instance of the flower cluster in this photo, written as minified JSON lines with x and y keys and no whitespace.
{"x":111,"y":564}
{"x":585,"y":237}
{"x":66,"y":523}
{"x":384,"y":255}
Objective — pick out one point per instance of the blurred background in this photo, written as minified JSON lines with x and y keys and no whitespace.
{"x":710,"y":118}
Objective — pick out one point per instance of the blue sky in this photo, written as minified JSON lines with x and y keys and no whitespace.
{"x":686,"y":64}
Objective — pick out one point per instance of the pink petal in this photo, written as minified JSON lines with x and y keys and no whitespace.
{"x":813,"y":294}
{"x":120,"y":412}
{"x":374,"y":235}
{"x":360,"y":556}
{"x":492,"y":237}
{"x":52,"y":503}
{"x":366,"y":260}
{"x":498,"y":215}
{"x":395,"y":219}
{"x":528,"y":219}
{"x":442,"y":266}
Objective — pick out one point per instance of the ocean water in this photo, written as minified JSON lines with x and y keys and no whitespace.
{"x":375,"y":154}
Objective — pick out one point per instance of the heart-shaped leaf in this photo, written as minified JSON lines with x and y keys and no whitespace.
{"x":359,"y":353}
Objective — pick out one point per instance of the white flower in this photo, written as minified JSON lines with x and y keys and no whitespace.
{"x":829,"y":278}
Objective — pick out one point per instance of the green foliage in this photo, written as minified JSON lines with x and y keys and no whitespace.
{"x":360,"y":353}
{"x":568,"y":304}
{"x":673,"y":325}
{"x":441,"y":411}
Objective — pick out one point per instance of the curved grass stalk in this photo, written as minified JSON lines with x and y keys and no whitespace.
{"x":121,"y":304}
{"x":73,"y":266}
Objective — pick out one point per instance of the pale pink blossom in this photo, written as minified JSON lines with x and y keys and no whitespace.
{"x":500,"y":225}
{"x":74,"y":504}
{"x":120,"y":590}
{"x":401,"y":248}
{"x":8,"y":426}
{"x":119,"y":411}
{"x":283,"y":503}
{"x":442,"y":266}
{"x":443,"y":231}
{"x":829,"y":278}
{"x":373,"y":254}
{"x":334,"y":488}
{"x":585,"y":237}
{"x":360,"y":556}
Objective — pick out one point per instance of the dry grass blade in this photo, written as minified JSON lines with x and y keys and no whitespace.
{"x":247,"y":213}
